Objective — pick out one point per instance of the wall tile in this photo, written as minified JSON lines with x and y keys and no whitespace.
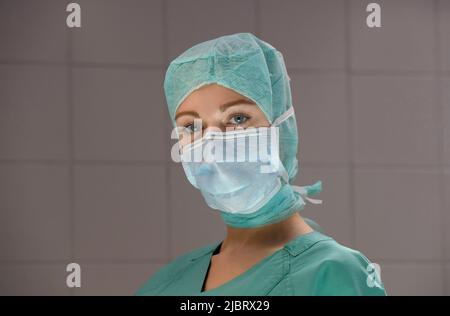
{"x":119,"y":115}
{"x":34,"y":217}
{"x":447,"y":278}
{"x":310,"y":34}
{"x":33,"y":279}
{"x":322,"y":115}
{"x":33,"y":30}
{"x":398,"y":214}
{"x":405,"y":40}
{"x":192,"y":22}
{"x":446,"y":213}
{"x":117,"y":31}
{"x":394,"y":120}
{"x":444,"y":29}
{"x":120,"y":213}
{"x":445,"y":88}
{"x":33,"y":112}
{"x":410,"y":278}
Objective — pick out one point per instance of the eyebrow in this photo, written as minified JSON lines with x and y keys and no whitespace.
{"x":186,"y":113}
{"x":222,"y":108}
{"x":231,"y":103}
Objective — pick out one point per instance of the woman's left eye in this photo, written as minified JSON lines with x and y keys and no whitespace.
{"x":239,"y":119}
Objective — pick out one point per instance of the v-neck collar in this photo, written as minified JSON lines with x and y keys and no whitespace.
{"x":216,"y":251}
{"x":237,"y":285}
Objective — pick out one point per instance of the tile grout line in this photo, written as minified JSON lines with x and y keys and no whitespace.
{"x":168,"y":196}
{"x":136,"y":163}
{"x":112,"y":261}
{"x":349,"y":92}
{"x":257,"y":11}
{"x":293,"y":70}
{"x":440,"y":136}
{"x":82,"y":162}
{"x":70,"y":128}
{"x":82,"y":64}
{"x":63,"y":262}
{"x":366,"y":72}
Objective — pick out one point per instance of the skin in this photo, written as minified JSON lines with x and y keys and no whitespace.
{"x":217,"y":107}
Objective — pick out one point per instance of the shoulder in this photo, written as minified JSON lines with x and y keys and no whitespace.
{"x":334,"y":269}
{"x":171,"y":270}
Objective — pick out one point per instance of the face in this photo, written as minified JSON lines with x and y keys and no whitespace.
{"x":213,"y":107}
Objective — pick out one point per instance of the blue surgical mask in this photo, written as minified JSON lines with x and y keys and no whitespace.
{"x":240,"y":172}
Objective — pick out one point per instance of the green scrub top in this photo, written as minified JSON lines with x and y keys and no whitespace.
{"x":310,"y":264}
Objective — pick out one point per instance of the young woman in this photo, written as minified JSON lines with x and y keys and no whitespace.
{"x":237,"y":87}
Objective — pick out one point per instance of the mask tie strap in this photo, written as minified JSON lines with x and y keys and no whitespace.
{"x":309,"y":190}
{"x":283,"y":117}
{"x":304,"y":191}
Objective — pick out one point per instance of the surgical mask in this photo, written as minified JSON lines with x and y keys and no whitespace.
{"x":237,"y":172}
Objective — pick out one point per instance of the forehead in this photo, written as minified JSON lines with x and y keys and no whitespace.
{"x":212,"y":95}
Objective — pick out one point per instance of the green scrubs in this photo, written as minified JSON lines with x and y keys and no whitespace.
{"x":310,"y":264}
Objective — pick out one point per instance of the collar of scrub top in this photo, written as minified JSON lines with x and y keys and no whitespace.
{"x":295,"y":247}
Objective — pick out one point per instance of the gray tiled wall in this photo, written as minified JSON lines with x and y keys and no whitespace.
{"x":85,"y":174}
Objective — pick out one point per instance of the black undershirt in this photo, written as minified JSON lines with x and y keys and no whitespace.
{"x":216,"y":251}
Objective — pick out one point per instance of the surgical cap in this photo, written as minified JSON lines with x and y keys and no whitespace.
{"x":249,"y":66}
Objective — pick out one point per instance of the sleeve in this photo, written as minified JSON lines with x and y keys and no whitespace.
{"x":349,"y":274}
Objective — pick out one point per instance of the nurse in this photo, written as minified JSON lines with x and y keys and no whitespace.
{"x":230,"y":93}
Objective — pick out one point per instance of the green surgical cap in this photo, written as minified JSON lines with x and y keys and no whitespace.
{"x":249,"y":66}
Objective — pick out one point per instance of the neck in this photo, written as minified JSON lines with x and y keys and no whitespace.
{"x":273,"y":235}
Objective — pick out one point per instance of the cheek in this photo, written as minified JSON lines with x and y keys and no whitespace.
{"x":259,"y":120}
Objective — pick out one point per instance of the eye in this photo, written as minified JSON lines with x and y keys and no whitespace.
{"x":238,"y":119}
{"x":192,"y":128}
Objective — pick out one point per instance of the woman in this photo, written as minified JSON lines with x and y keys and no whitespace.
{"x":237,"y":87}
